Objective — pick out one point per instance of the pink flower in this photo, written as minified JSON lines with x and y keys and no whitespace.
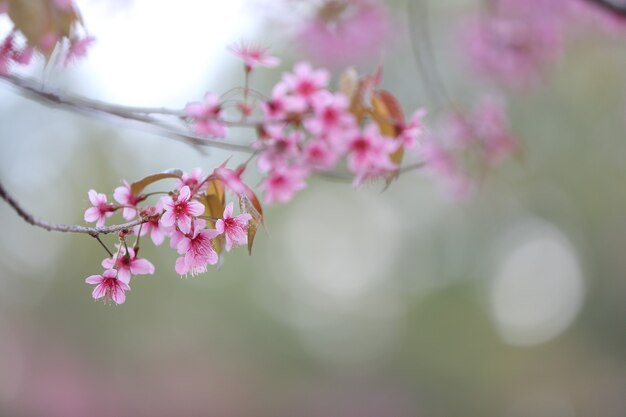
{"x":198,"y":250}
{"x":330,"y":114}
{"x":207,"y":116}
{"x":100,"y":210}
{"x":77,"y":49}
{"x":319,"y":155}
{"x":491,"y":127}
{"x":281,"y":105}
{"x":413,"y":131}
{"x":282,"y":183}
{"x":127,"y":264}
{"x":254,"y":56}
{"x":157,"y":231}
{"x":232,"y":180}
{"x":305,"y":82}
{"x":233,"y":228}
{"x":278,"y":148}
{"x":192,"y":180}
{"x":179,"y":210}
{"x":10,"y":53}
{"x":345,"y":32}
{"x":108,"y":286}
{"x":369,"y":154}
{"x":125,"y":197}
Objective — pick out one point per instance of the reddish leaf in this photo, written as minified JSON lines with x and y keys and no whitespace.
{"x":137,"y":187}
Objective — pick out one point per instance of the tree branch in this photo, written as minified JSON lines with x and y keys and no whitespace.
{"x":617,"y":9}
{"x":66,"y":228}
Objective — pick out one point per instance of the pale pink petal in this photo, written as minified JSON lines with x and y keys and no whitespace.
{"x":99,"y":292}
{"x":94,"y":279}
{"x":117,"y":295}
{"x":92,"y":214}
{"x":184,"y":194}
{"x":219,"y":226}
{"x":141,"y":267}
{"x":123,"y":275}
{"x":195,"y":208}
{"x":108,"y":263}
{"x":181,"y":267}
{"x":93,"y":197}
{"x":168,"y":219}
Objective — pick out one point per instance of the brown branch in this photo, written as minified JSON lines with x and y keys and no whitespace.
{"x":617,"y":9}
{"x":66,"y":228}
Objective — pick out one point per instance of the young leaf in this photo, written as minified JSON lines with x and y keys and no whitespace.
{"x":249,"y":203}
{"x":137,"y":187}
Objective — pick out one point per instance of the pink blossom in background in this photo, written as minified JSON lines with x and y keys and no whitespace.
{"x":254,"y":56}
{"x":319,"y":155}
{"x":491,"y":126}
{"x":128,"y":264}
{"x":283,"y":183}
{"x":345,"y":32}
{"x":78,"y":49}
{"x":198,"y":250}
{"x":369,"y":154}
{"x":207,"y":116}
{"x":511,"y":49}
{"x":179,"y":210}
{"x":278,"y":147}
{"x":330,"y":114}
{"x":100,"y":209}
{"x":233,"y":228}
{"x":108,"y":286}
{"x":413,"y":131}
{"x":125,"y":197}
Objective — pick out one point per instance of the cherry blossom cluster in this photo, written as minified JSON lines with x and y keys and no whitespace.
{"x":306,"y":128}
{"x":194,"y":216}
{"x":468,"y":144}
{"x":42,"y":27}
{"x":516,"y":41}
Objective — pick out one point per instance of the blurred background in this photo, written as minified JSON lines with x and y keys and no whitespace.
{"x":358,"y":302}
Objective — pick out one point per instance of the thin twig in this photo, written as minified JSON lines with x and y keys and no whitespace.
{"x":617,"y":9}
{"x":66,"y":228}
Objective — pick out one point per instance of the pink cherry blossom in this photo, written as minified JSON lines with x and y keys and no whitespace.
{"x":346,"y":32}
{"x":305,"y":82}
{"x":191,"y":180}
{"x":125,"y":197}
{"x":282,"y":183}
{"x":319,"y":155}
{"x":233,"y":228}
{"x":198,"y":250}
{"x":128,"y":264}
{"x":100,"y":209}
{"x":282,"y":104}
{"x":369,"y":154}
{"x":330,"y":114}
{"x":157,"y":231}
{"x":232,"y":180}
{"x":207,"y":116}
{"x":108,"y":286}
{"x":413,"y":131}
{"x":179,"y":210}
{"x":278,"y":147}
{"x":254,"y":56}
{"x":78,"y":49}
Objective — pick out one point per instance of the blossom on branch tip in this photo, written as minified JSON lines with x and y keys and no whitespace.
{"x":100,"y":209}
{"x":233,"y":228}
{"x":253,"y":56}
{"x":192,"y":180}
{"x":108,"y":286}
{"x":128,"y":264}
{"x":179,"y":210}
{"x":304,"y":82}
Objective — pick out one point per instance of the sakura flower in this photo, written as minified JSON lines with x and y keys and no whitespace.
{"x":330,"y":113}
{"x":232,"y":180}
{"x":282,"y":183}
{"x":108,"y":286}
{"x":128,"y":264}
{"x":100,"y":210}
{"x":179,"y":210}
{"x":198,"y":250}
{"x":319,"y":155}
{"x":345,"y":32}
{"x":77,"y":49}
{"x":192,"y":180}
{"x":281,"y":105}
{"x":278,"y":147}
{"x":157,"y":231}
{"x":413,"y":131}
{"x":253,"y":56}
{"x":369,"y":154}
{"x":207,"y":116}
{"x":233,"y":228}
{"x":124,"y":195}
{"x":305,"y":82}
